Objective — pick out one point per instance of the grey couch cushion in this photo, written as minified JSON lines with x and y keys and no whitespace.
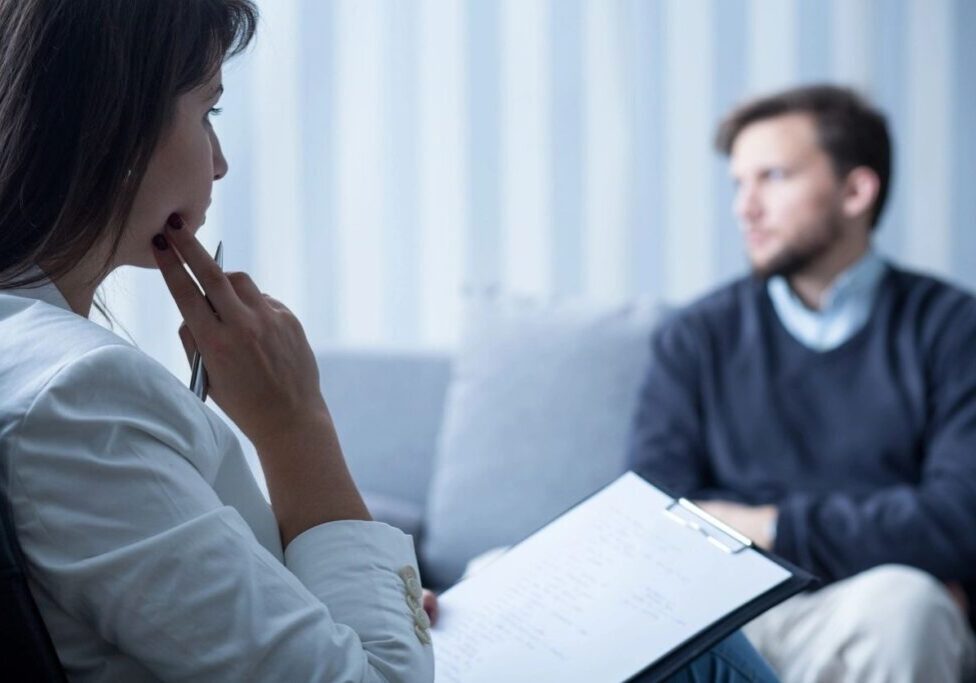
{"x":537,"y":418}
{"x":387,"y":407}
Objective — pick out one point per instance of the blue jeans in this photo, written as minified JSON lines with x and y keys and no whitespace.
{"x":731,"y":661}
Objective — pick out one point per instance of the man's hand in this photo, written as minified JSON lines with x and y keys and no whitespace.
{"x":758,"y":523}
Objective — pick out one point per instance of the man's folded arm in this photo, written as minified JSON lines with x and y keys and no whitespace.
{"x":930,"y":524}
{"x":666,"y":444}
{"x":932,"y":527}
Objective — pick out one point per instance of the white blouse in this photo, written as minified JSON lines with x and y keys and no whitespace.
{"x":152,"y":553}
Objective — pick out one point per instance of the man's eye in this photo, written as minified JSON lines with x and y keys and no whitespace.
{"x":776,"y":174}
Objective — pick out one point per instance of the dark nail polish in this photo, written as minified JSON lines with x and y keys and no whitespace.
{"x":160,"y":242}
{"x":175,"y":221}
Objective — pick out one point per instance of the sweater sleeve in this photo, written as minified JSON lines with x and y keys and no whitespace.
{"x":930,"y":524}
{"x":666,"y":444}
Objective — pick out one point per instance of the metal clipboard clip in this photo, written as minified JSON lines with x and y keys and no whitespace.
{"x":716,"y":532}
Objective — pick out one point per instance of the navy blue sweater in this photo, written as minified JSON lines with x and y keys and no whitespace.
{"x":869,"y":449}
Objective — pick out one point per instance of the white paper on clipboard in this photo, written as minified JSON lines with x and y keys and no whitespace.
{"x":599,"y":594}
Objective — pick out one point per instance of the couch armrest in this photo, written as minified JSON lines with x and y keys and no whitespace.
{"x":387,"y":407}
{"x":406,"y":516}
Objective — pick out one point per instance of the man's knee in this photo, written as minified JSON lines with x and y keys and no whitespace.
{"x":902,"y":611}
{"x":894,"y":590}
{"x":891,"y":623}
{"x":898,"y":577}
{"x":903,"y":624}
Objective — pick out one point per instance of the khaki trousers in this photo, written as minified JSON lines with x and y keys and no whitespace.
{"x":891,"y":624}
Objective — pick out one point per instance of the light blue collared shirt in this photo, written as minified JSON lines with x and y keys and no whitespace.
{"x":846,"y":306}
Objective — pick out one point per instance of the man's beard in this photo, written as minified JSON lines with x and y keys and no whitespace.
{"x":797,"y":258}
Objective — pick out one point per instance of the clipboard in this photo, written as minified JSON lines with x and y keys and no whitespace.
{"x":689,"y":537}
{"x":727,"y":540}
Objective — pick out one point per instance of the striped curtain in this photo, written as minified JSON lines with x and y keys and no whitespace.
{"x":388,"y":155}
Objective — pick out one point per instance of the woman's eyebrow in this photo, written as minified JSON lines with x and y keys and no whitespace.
{"x":216,"y":92}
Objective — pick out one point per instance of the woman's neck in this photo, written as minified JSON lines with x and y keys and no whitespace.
{"x":78,"y":285}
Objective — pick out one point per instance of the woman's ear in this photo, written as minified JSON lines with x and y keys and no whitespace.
{"x":861,"y":187}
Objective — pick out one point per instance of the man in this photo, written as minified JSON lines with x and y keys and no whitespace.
{"x":826,"y":405}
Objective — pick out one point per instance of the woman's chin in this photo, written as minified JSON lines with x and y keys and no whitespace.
{"x":143,"y":259}
{"x":142,"y":263}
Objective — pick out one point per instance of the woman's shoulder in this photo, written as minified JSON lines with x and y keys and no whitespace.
{"x":39,"y":341}
{"x":57,"y":365}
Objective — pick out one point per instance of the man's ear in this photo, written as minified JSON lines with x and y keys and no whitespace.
{"x":861,"y":187}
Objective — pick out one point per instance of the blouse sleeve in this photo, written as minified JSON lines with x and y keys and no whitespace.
{"x":121,"y":526}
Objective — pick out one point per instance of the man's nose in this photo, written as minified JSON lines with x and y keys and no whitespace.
{"x":747,"y":206}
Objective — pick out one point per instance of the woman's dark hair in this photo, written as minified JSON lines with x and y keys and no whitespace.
{"x":849,"y":130}
{"x":87,"y":87}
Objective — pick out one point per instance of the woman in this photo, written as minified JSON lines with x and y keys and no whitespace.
{"x":151,"y":553}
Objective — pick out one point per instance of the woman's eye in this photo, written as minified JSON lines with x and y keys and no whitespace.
{"x":214,"y":111}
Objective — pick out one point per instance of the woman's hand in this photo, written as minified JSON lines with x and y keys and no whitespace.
{"x":956,"y":591}
{"x":260,"y":368}
{"x":430,"y":606}
{"x":262,"y":373}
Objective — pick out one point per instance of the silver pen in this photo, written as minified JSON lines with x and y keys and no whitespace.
{"x":198,"y":376}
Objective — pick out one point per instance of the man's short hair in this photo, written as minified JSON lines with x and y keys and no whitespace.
{"x":849,"y":130}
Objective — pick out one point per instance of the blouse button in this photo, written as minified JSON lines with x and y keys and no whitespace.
{"x":414,"y":588}
{"x":421,"y":618}
{"x":422,"y":634}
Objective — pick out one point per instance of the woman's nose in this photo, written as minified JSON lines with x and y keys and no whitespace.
{"x":219,"y":162}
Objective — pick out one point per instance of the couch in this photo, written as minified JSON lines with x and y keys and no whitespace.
{"x":476,"y":448}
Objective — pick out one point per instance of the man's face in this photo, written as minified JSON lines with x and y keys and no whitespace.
{"x":788,"y":197}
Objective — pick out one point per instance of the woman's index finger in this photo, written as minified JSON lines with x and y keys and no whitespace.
{"x":189,"y":299}
{"x":217,"y":288}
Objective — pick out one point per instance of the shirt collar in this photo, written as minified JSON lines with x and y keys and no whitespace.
{"x":860,"y":280}
{"x":43,"y":290}
{"x":846,"y":304}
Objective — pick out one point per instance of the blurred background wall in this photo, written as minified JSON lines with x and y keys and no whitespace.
{"x":388,"y":155}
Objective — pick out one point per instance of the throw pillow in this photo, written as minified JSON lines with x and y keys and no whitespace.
{"x":537,"y":418}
